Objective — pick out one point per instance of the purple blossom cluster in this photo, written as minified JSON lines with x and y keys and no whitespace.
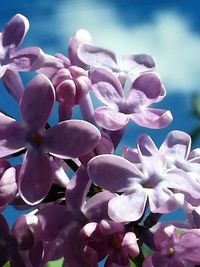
{"x":110,"y":207}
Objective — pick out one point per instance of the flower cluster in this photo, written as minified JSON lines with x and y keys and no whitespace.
{"x":110,"y":207}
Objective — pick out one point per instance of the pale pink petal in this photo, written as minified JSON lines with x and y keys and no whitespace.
{"x":152,"y":118}
{"x":110,"y":119}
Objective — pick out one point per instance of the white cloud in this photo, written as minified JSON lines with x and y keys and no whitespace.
{"x":167,"y":37}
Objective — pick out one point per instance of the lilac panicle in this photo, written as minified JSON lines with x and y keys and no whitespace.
{"x":119,"y":108}
{"x":60,"y":140}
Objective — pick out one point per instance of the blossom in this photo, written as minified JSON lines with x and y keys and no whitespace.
{"x":163,"y":187}
{"x":35,"y":177}
{"x":175,"y":247}
{"x":143,"y":91}
{"x":110,"y":240}
{"x":13,"y":59}
{"x":84,"y":52}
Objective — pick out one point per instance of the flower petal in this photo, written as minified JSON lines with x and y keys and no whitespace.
{"x":12,"y":137}
{"x":106,"y":86}
{"x":149,"y":154}
{"x":8,"y":186}
{"x":13,"y":84}
{"x":96,"y":207}
{"x":152,"y":118}
{"x":77,"y":189}
{"x":149,"y":83}
{"x":15,"y":30}
{"x":97,"y":57}
{"x":61,"y":140}
{"x":27,"y":59}
{"x":51,"y":225}
{"x":129,"y":206}
{"x":137,"y":62}
{"x":113,"y":173}
{"x":80,"y":37}
{"x":37,"y":102}
{"x":110,"y":119}
{"x":176,"y":146}
{"x":35,"y":176}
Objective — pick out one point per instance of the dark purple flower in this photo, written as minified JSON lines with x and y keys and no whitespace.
{"x":175,"y":247}
{"x":61,"y":140}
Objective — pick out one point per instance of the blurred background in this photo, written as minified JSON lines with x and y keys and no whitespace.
{"x":168,"y":30}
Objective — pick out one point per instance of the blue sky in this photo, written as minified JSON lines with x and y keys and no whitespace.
{"x":168,"y":30}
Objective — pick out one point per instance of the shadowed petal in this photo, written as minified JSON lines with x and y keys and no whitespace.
{"x":35,"y":176}
{"x":61,"y":140}
{"x":129,"y":206}
{"x":96,"y":207}
{"x":152,"y":118}
{"x":15,"y":30}
{"x":12,"y":137}
{"x":53,"y":218}
{"x":13,"y":84}
{"x":188,"y":247}
{"x":113,"y":173}
{"x":110,"y":119}
{"x":37,"y":102}
{"x":27,"y":59}
{"x":149,"y":83}
{"x":80,"y":37}
{"x":8,"y":186}
{"x":97,"y":57}
{"x":77,"y":189}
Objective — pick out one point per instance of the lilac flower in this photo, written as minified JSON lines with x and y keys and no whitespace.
{"x":163,"y":187}
{"x":26,"y":59}
{"x":175,"y":247}
{"x":70,"y":219}
{"x":14,"y":60}
{"x":17,"y":245}
{"x":110,"y":240}
{"x":36,"y":175}
{"x":86,"y":53}
{"x":144,"y":91}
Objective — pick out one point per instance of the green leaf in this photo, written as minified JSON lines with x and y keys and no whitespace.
{"x":57,"y":263}
{"x":7,"y":264}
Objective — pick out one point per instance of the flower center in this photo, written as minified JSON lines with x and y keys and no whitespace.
{"x":115,"y":242}
{"x":36,"y":139}
{"x":170,"y":252}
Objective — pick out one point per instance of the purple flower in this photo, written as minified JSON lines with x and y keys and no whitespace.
{"x":109,"y":239}
{"x":175,"y":247}
{"x":163,"y":187}
{"x":26,"y":59}
{"x":86,"y":53}
{"x":35,"y":177}
{"x":143,"y":91}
